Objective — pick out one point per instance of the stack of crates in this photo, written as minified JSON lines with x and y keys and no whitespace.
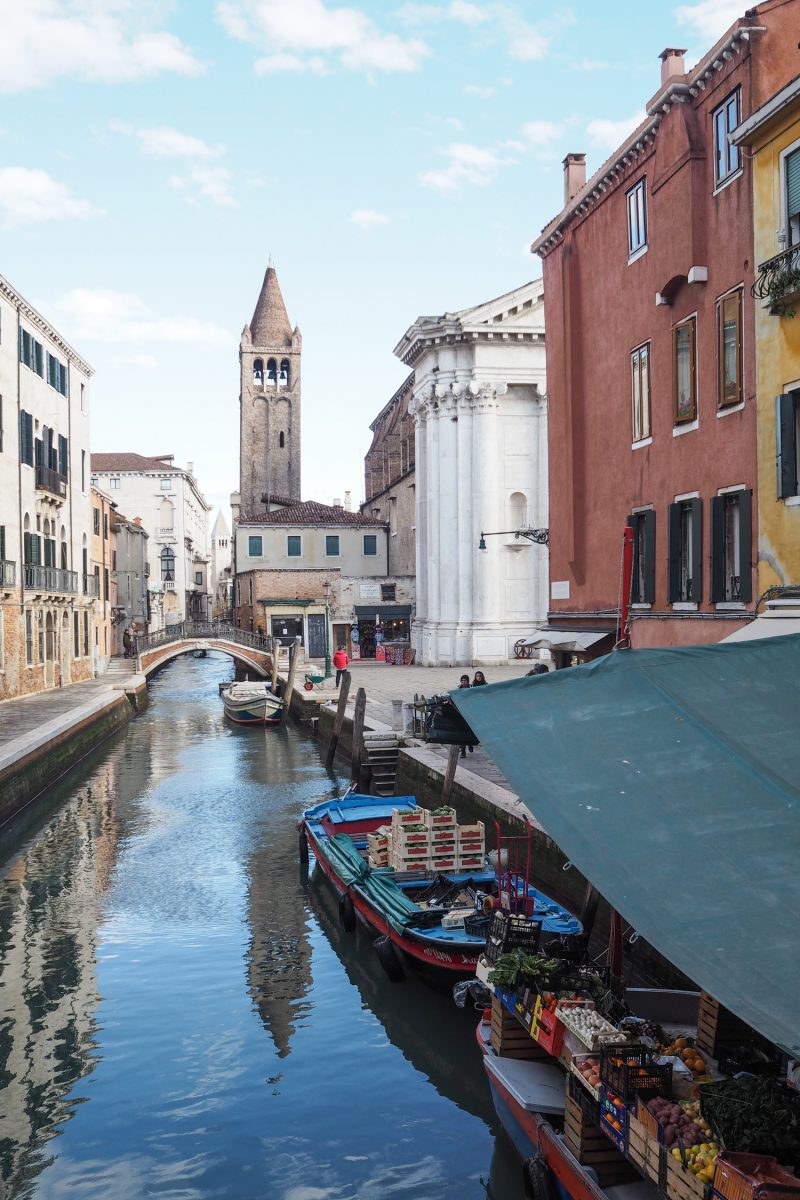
{"x":443,"y":833}
{"x":379,"y":845}
{"x":410,"y":840}
{"x":471,"y":846}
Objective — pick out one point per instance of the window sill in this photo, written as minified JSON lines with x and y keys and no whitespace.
{"x":639,"y":606}
{"x":791,"y":501}
{"x":730,"y":408}
{"x":684,"y":606}
{"x":648,"y":441}
{"x":726,"y":605}
{"x":723,"y":183}
{"x":637,"y":254}
{"x":686,"y":427}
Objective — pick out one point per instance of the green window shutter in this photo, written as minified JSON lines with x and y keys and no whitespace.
{"x":792,"y":168}
{"x":786,"y":445}
{"x":63,"y":457}
{"x":632,"y":522}
{"x":717,"y":549}
{"x":649,"y":518}
{"x":2,"y":542}
{"x":673,"y":553}
{"x":746,"y":546}
{"x":697,"y":549}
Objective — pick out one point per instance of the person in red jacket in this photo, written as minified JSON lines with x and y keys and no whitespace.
{"x":340,"y":661}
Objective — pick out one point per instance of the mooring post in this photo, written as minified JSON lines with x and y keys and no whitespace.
{"x":358,"y":736}
{"x":339,"y":721}
{"x":274,"y":659}
{"x":450,"y":773}
{"x":294,"y":650}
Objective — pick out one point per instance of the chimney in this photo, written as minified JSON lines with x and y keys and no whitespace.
{"x":190,"y":468}
{"x":574,"y":175}
{"x":348,"y":502}
{"x":337,"y":502}
{"x":137,"y":521}
{"x":672,"y":64}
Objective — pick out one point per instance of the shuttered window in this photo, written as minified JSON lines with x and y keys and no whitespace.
{"x":640,"y":392}
{"x":685,"y":557}
{"x":786,"y":431}
{"x":729,"y":349}
{"x":63,"y":457}
{"x":643,"y":584}
{"x":685,"y":371}
{"x":792,"y":169}
{"x":731,"y":548}
{"x":26,"y":437}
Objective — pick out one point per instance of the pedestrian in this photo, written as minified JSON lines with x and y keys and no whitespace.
{"x":340,"y":661}
{"x":539,"y":669}
{"x":127,"y":642}
{"x":479,"y":680}
{"x":464,"y":683}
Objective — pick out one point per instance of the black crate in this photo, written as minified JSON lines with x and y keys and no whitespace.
{"x":511,"y":932}
{"x":639,"y":1072}
{"x":589,"y":1107}
{"x":478,"y":924}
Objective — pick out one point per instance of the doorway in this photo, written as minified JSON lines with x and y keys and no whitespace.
{"x":316,"y":635}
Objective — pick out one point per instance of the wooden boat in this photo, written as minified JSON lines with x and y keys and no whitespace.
{"x":252,"y":704}
{"x":409,"y":912}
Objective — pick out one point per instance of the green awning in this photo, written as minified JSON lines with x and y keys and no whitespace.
{"x":671,"y":779}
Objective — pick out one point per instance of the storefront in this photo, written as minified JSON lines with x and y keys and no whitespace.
{"x":378,"y":626}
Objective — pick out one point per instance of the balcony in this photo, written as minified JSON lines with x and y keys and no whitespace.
{"x":48,"y":480}
{"x":8,"y":573}
{"x":50,"y":579}
{"x":778,"y":282}
{"x":91,"y":585}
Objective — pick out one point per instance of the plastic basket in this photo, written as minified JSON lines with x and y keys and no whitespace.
{"x":511,"y":932}
{"x":477,"y":925}
{"x":753,"y":1177}
{"x":628,"y":1068}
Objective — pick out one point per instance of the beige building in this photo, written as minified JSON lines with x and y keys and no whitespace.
{"x":103,"y":560}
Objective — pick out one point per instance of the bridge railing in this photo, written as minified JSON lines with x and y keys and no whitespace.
{"x":192,"y":630}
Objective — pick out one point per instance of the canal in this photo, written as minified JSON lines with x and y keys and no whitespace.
{"x":180,"y":1013}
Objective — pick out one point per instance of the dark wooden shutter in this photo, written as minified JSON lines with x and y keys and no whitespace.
{"x":635,"y":597}
{"x":649,"y":518}
{"x":673,"y":553}
{"x":63,"y":457}
{"x":717,"y":549}
{"x":745,"y":546}
{"x":786,"y":445}
{"x":697,"y":549}
{"x":36,"y":549}
{"x":2,"y":542}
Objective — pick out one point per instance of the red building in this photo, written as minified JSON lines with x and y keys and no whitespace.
{"x":650,"y":354}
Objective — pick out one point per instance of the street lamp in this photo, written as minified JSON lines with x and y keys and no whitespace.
{"x":540,"y":536}
{"x":326,"y":587}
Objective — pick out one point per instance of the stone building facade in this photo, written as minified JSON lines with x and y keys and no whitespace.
{"x":269,"y":401}
{"x":132,"y":574}
{"x":480,"y":414}
{"x":103,"y":563}
{"x":390,"y":481}
{"x":220,"y":574}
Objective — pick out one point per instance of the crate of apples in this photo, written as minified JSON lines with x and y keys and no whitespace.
{"x":587,"y":1068}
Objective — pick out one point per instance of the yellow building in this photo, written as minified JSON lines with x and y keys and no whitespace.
{"x":772,"y":134}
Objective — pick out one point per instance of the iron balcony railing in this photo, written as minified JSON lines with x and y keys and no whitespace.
{"x":778,"y":278}
{"x":8,"y":572}
{"x":48,"y":480}
{"x":91,"y":585}
{"x":50,"y":579}
{"x":189,"y":630}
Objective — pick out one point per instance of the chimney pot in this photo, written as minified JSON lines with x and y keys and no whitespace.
{"x":672,"y":63}
{"x":574,"y":175}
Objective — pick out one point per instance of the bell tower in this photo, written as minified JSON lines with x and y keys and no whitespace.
{"x":269,"y":401}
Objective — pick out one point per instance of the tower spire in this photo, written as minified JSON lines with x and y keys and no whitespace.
{"x":270,"y":324}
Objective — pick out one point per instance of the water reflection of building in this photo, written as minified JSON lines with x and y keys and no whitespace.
{"x":279,"y":959}
{"x":49,"y":898}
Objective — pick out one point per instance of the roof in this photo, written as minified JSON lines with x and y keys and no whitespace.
{"x":774,"y":107}
{"x":309,"y":512}
{"x":116,"y":463}
{"x":270,"y":324}
{"x":671,"y":779}
{"x":33,"y":317}
{"x":518,"y":313}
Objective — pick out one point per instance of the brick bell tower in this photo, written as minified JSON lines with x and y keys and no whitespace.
{"x":269,"y":401}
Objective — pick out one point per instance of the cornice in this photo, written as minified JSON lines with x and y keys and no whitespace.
{"x":26,"y":309}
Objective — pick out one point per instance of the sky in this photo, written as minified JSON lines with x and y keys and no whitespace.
{"x":393,"y":159}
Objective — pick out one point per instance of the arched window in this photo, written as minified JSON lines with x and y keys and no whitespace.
{"x":282,"y":440}
{"x":258,"y":372}
{"x":166,"y":516}
{"x":272,"y":373}
{"x":168,"y":565}
{"x":518,"y":510}
{"x":283,"y":378}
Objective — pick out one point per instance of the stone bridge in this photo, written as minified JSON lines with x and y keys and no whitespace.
{"x":252,"y":652}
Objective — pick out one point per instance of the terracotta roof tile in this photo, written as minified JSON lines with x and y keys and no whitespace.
{"x":270,"y":324}
{"x":309,"y":512}
{"x":103,"y":463}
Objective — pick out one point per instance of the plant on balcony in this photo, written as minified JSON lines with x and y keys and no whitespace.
{"x":781,"y":286}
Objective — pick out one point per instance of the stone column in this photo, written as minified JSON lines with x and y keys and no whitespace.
{"x":467,"y":534}
{"x":432,"y":491}
{"x":421,"y":513}
{"x":487,"y":462}
{"x":448,"y":526}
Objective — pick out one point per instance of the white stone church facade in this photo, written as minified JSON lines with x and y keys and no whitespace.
{"x":480,"y":415}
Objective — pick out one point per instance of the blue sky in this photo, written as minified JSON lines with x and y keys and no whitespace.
{"x":395,"y":159}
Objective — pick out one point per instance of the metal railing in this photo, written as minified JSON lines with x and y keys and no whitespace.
{"x":48,"y":480}
{"x":50,"y":579}
{"x":8,"y":572}
{"x":91,"y":585}
{"x":778,"y":277}
{"x":190,"y":630}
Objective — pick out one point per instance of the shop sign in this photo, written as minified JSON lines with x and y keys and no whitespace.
{"x":369,"y":591}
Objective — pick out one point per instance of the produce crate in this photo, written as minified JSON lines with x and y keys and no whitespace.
{"x":646,"y":1118}
{"x":681,"y":1184}
{"x":629,"y":1067}
{"x":753,"y":1177}
{"x":508,"y":1037}
{"x":410,"y":864}
{"x":590,"y":1147}
{"x":471,"y":833}
{"x":403,"y":838}
{"x":477,"y":925}
{"x":379,"y":840}
{"x":717,"y":1028}
{"x":612,"y":1108}
{"x":586,"y":1102}
{"x":440,"y":820}
{"x":378,"y":858}
{"x":470,"y":862}
{"x":443,"y":863}
{"x":402,"y":817}
{"x":578,"y":1060}
{"x":509,"y":932}
{"x":605,"y":1031}
{"x":646,"y":1152}
{"x":547,"y":1029}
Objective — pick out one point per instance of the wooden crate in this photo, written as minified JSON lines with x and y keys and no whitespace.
{"x":510,"y":1038}
{"x":646,"y":1153}
{"x":682,"y":1184}
{"x":718,"y":1028}
{"x":592,"y":1148}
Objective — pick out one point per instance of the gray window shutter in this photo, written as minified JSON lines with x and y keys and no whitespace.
{"x":697,"y":549}
{"x":717,"y":549}
{"x":745,"y":547}
{"x":793,"y":184}
{"x":674,"y":553}
{"x":786,"y":448}
{"x":649,"y":596}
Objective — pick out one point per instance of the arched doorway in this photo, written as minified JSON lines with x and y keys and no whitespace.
{"x":49,"y":651}
{"x":65,"y":671}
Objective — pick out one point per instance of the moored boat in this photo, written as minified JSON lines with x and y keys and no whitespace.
{"x":252,"y":704}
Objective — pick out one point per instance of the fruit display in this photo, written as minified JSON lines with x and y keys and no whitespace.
{"x":588,"y":1025}
{"x":699,"y":1159}
{"x":684,"y":1049}
{"x":677,"y":1122}
{"x":587,"y":1066}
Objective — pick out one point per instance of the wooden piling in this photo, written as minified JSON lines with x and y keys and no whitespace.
{"x":294,"y":650}
{"x":450,"y":773}
{"x":274,"y":660}
{"x":337,"y":724}
{"x":357,"y":752}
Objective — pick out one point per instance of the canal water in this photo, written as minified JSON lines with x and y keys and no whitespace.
{"x":181,"y":1014}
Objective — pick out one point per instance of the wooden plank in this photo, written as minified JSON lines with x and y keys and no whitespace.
{"x":274,"y":661}
{"x":358,"y":736}
{"x":294,"y":653}
{"x":339,"y":719}
{"x":450,"y":773}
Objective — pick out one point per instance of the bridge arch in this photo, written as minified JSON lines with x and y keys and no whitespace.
{"x":248,"y":657}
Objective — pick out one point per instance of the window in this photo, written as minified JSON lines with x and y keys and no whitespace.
{"x":726,"y":155}
{"x":250,"y":590}
{"x":791,"y":168}
{"x":76,"y":634}
{"x":272,"y":373}
{"x":167,"y":557}
{"x":57,"y":374}
{"x":643,"y":584}
{"x":370,"y":544}
{"x":63,"y":457}
{"x":31,"y":352}
{"x":198,"y":578}
{"x":731,"y":548}
{"x":26,"y":437}
{"x":96,"y":521}
{"x":294,"y":548}
{"x":115,"y":483}
{"x":2,"y":545}
{"x":640,"y":392}
{"x":685,"y":371}
{"x":1,"y":424}
{"x":40,"y":632}
{"x":28,"y":637}
{"x":258,"y":372}
{"x":83,"y":470}
{"x":105,"y":583}
{"x":787,"y":429}
{"x":282,"y":440}
{"x":685,"y":558}
{"x":165,"y":485}
{"x":255,"y":544}
{"x":83,"y":397}
{"x":283,"y":378}
{"x":389,"y":592}
{"x":332,"y":545}
{"x":105,"y":526}
{"x":637,"y":218}
{"x":729,"y":349}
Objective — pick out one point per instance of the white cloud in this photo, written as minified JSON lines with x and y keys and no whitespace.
{"x":30,"y":195}
{"x":710,"y":18}
{"x":210,"y":182}
{"x":591,"y":64}
{"x":202,"y":176}
{"x":457,"y":10}
{"x":171,"y":143}
{"x":539,"y":134}
{"x":466,"y":163}
{"x":475,"y":89}
{"x":99,"y":41}
{"x":610,"y":134}
{"x":526,"y":42}
{"x":298,"y":36}
{"x":101,"y":314}
{"x":366,"y":218}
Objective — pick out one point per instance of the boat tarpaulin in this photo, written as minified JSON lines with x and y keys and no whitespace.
{"x":575,"y":640}
{"x":671,"y":779}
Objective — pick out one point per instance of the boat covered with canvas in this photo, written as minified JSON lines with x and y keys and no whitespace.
{"x":252,"y":704}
